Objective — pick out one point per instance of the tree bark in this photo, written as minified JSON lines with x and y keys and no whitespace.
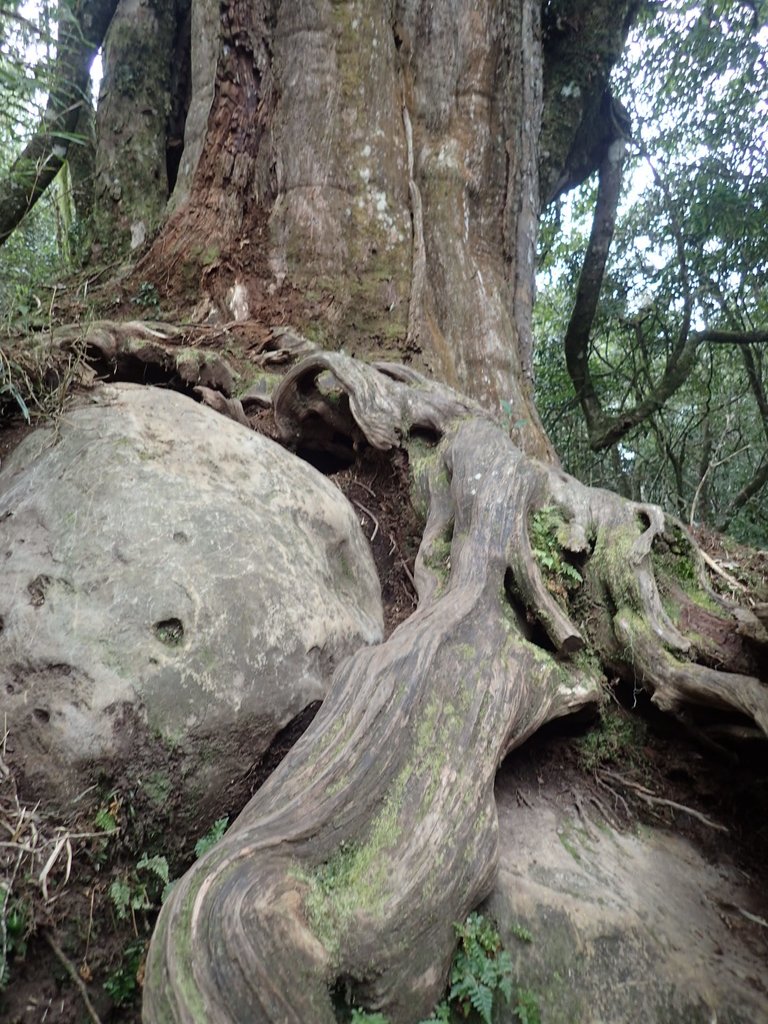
{"x":406,"y":215}
{"x":130,"y":195}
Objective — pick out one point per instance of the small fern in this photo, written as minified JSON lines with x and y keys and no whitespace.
{"x":131,"y":891}
{"x":211,"y":837}
{"x":481,"y":968}
{"x":545,"y":527}
{"x":527,"y":1007}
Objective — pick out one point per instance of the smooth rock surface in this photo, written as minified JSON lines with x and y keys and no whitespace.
{"x":624,"y":927}
{"x":175,"y":589}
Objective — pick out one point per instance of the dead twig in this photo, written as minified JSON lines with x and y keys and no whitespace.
{"x":370,"y":515}
{"x":753,"y":917}
{"x":650,"y":798}
{"x":409,"y":574}
{"x":716,"y":568}
{"x":71,"y":970}
{"x":365,"y":487}
{"x":63,"y":842}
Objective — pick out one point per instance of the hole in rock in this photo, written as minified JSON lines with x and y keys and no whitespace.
{"x":37,"y":589}
{"x":335,"y":454}
{"x":130,"y":369}
{"x":344,"y":995}
{"x":42,"y":715}
{"x":426,"y":434}
{"x":169,"y":632}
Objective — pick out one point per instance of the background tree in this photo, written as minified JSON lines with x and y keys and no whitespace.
{"x":80,"y":28}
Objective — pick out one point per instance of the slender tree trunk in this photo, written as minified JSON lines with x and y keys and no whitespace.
{"x":130,"y":195}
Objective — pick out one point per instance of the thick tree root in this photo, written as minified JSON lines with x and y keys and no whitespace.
{"x":147,"y":353}
{"x":343,"y":876}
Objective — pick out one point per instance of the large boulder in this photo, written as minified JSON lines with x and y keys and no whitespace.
{"x":175,"y":590}
{"x":609,"y":927}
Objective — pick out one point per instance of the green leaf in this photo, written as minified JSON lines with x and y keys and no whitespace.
{"x":214,"y":834}
{"x":157,"y":865}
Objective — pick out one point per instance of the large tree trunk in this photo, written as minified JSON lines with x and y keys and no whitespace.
{"x":381,"y":159}
{"x":375,"y":168}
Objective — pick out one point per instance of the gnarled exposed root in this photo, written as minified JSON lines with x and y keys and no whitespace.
{"x":345,"y":872}
{"x":147,"y":353}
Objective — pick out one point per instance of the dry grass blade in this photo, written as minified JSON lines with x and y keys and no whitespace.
{"x":38,"y":857}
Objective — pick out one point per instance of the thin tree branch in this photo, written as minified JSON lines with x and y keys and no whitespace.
{"x":719,"y":337}
{"x":71,"y":970}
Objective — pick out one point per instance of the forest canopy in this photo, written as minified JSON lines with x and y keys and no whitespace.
{"x":689,"y":255}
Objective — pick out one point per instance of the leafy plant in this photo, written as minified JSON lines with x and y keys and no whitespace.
{"x":123,"y":984}
{"x":441,"y":1013}
{"x":107,"y":818}
{"x":521,"y":932}
{"x":146,"y":296}
{"x":545,"y":532}
{"x":481,"y":968}
{"x":211,"y":837}
{"x":141,"y":889}
{"x":527,"y":1007}
{"x":616,"y":737}
{"x":15,"y":928}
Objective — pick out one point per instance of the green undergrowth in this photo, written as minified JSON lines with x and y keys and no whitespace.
{"x":546,"y":530}
{"x":617,"y":738}
{"x":674,"y":563}
{"x":102,"y":851}
{"x":36,"y":380}
{"x":480,"y":980}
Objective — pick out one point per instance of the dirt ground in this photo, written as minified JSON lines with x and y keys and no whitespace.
{"x":84,"y":892}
